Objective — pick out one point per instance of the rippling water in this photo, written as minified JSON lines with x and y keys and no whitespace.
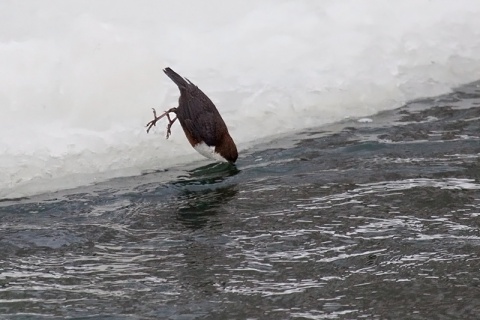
{"x":376,"y":218}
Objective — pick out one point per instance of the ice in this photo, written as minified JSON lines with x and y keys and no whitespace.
{"x":79,"y":78}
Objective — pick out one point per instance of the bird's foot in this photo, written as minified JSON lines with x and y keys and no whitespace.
{"x":169,"y":126}
{"x":155,"y":119}
{"x":168,"y":130}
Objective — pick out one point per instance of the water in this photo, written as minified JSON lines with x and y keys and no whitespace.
{"x":376,"y":219}
{"x":346,"y":202}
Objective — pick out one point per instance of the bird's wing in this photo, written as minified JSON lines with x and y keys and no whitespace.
{"x":205,"y":122}
{"x":204,"y":126}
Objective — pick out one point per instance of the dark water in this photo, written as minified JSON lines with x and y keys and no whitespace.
{"x":356,"y":220}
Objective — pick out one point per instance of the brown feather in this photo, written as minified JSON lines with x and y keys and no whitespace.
{"x":200,"y":119}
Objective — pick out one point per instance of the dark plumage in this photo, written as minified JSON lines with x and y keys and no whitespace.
{"x":200,"y":120}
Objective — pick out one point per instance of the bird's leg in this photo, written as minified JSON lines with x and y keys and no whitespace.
{"x":170,"y":122}
{"x":154,"y":121}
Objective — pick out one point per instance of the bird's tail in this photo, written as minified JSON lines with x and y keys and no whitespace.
{"x":178,"y":79}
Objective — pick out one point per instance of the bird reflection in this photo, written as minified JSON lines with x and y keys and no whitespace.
{"x":201,"y":207}
{"x":208,"y":174}
{"x":202,"y":199}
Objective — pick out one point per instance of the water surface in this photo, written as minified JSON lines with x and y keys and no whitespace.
{"x":374,"y":219}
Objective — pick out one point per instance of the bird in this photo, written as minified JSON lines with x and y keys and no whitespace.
{"x":200,"y":120}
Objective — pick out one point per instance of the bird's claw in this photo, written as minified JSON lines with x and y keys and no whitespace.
{"x":153,"y":122}
{"x":156,"y":118}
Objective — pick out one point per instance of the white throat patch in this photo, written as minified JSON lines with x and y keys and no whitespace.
{"x":209,"y":152}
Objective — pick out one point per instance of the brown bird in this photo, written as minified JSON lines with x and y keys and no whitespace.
{"x":204,"y":127}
